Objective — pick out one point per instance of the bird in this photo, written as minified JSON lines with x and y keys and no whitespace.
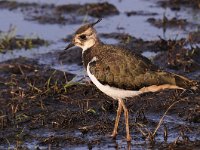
{"x":121,"y":73}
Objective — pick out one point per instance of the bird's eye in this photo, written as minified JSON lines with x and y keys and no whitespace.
{"x":83,"y":37}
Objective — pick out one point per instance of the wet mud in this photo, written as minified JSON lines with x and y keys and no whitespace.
{"x":140,"y":13}
{"x":36,"y":100}
{"x":176,"y":5}
{"x":9,"y":40}
{"x":180,"y":58}
{"x":168,"y":23}
{"x":51,"y":14}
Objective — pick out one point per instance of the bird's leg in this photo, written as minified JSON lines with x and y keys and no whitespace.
{"x":119,"y":110}
{"x":128,"y":137}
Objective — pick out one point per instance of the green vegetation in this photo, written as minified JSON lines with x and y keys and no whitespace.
{"x":10,"y":41}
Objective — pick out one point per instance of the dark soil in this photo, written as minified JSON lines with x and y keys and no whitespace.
{"x":133,"y":43}
{"x":10,"y":41}
{"x":194,"y":37}
{"x":51,"y":14}
{"x":178,"y":57}
{"x":140,"y":13}
{"x":176,"y":4}
{"x":168,"y":23}
{"x":35,"y":100}
{"x":71,"y":56}
{"x":137,"y":44}
{"x":92,"y":9}
{"x":20,"y":42}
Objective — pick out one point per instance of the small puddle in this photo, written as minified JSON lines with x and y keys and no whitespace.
{"x":149,"y":54}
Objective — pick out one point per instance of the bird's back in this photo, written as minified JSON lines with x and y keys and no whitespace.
{"x":120,"y":68}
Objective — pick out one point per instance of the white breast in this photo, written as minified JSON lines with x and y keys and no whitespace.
{"x":108,"y":90}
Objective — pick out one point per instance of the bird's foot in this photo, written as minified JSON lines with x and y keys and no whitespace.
{"x":128,"y":138}
{"x":114,"y":134}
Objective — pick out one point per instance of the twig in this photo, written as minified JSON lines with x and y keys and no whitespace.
{"x":161,"y":120}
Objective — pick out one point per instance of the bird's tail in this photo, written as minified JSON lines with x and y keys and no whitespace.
{"x":186,"y":83}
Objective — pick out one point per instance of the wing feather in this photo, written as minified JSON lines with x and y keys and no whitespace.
{"x":126,"y":70}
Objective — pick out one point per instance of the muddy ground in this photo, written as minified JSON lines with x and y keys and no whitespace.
{"x":37,"y":101}
{"x":45,"y":108}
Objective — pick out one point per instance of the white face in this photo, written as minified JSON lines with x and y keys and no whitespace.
{"x":86,"y":39}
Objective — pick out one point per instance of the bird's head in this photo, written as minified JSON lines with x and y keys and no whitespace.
{"x":85,"y":37}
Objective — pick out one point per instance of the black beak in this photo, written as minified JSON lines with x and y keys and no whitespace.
{"x":69,"y":46}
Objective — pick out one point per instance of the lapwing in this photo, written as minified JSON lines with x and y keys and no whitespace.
{"x":121,"y":73}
